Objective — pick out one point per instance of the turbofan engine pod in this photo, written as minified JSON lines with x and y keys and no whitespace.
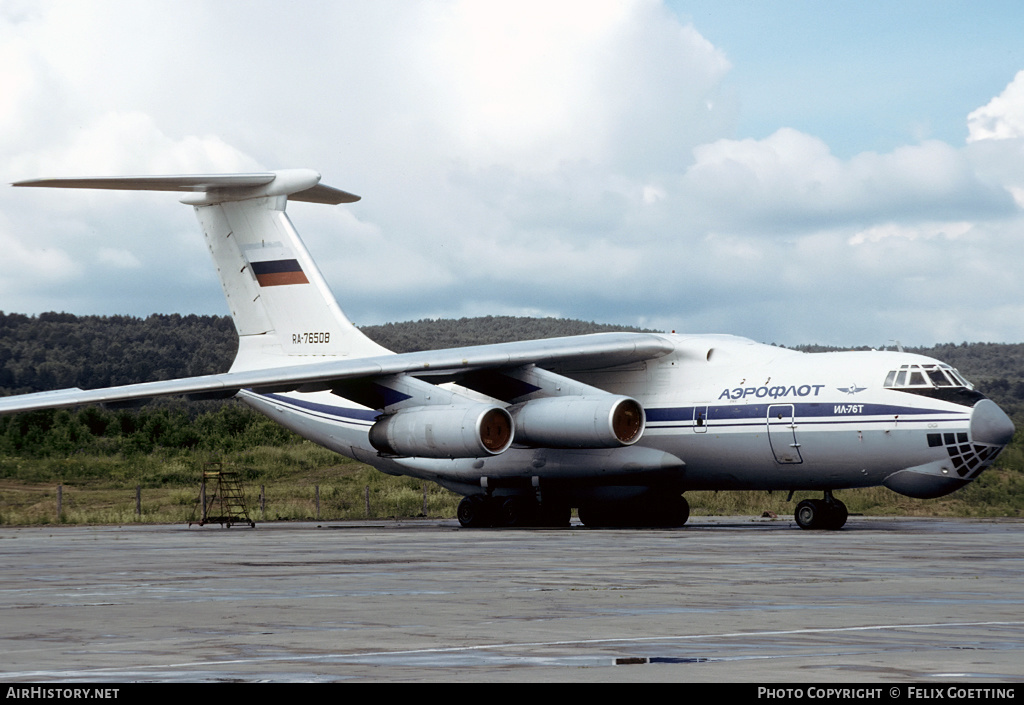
{"x":607,"y":421}
{"x":467,"y":431}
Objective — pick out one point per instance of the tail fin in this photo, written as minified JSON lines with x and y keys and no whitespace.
{"x":278,"y":299}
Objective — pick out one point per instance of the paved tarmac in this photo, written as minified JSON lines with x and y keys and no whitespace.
{"x":723,"y":600}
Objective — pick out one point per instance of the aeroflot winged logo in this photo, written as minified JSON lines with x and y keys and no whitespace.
{"x":852,"y":389}
{"x":275,"y":266}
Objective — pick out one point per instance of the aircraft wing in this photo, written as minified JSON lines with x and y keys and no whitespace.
{"x":587,"y":352}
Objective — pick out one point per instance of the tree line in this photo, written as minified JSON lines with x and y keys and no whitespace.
{"x":60,"y":350}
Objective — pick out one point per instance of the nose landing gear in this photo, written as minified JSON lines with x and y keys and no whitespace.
{"x":828,"y":513}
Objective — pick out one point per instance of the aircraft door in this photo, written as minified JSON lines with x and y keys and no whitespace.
{"x":700,"y":419}
{"x":782,"y":434}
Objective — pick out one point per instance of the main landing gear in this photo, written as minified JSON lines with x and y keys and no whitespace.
{"x":828,"y":513}
{"x":666,"y":511}
{"x":478,"y":511}
{"x":663,"y":512}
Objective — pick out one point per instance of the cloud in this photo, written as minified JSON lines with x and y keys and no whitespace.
{"x":131,"y":143}
{"x":790,"y":180}
{"x":914,"y":232}
{"x":1002,"y":117}
{"x":569,"y":158}
{"x":536,"y":83}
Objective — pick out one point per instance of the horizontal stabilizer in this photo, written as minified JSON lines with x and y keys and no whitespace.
{"x":297,"y":184}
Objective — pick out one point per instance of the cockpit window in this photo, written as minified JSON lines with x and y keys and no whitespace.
{"x":926,"y":376}
{"x":938,"y":378}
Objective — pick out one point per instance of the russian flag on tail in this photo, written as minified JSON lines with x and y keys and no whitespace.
{"x":274,"y":265}
{"x":278,"y":272}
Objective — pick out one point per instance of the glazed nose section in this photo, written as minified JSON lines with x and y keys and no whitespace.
{"x":989,"y":424}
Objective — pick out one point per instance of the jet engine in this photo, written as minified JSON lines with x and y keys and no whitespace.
{"x":464,"y":431}
{"x":607,"y":421}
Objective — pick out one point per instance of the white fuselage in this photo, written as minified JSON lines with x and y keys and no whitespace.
{"x":722,"y":413}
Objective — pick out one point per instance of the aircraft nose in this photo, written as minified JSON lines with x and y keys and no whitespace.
{"x":989,"y":424}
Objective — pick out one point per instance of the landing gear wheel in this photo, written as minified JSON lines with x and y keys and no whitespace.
{"x":473,"y":512}
{"x":665,"y":512}
{"x":809,"y":514}
{"x":837,"y":515}
{"x":821,"y":514}
{"x":595,"y":515}
{"x":517,"y":511}
{"x":673,"y":512}
{"x":651,"y":512}
{"x":554,"y":515}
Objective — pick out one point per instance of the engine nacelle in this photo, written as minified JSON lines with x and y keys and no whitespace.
{"x":607,"y":421}
{"x":467,"y":431}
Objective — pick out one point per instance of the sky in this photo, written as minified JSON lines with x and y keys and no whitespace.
{"x":842,"y":173}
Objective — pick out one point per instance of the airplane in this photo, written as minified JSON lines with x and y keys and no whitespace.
{"x":616,"y":425}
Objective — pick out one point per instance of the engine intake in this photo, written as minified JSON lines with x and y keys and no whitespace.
{"x":607,"y":421}
{"x":469,"y":431}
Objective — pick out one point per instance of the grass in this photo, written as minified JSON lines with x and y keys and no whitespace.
{"x":102,"y":490}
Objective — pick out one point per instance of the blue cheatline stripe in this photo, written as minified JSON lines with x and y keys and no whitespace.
{"x":760,"y":411}
{"x":340,"y":413}
{"x":815,"y":413}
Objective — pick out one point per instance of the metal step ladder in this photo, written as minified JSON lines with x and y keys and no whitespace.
{"x":221,"y":498}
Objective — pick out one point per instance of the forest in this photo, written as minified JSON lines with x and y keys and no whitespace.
{"x":60,"y":350}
